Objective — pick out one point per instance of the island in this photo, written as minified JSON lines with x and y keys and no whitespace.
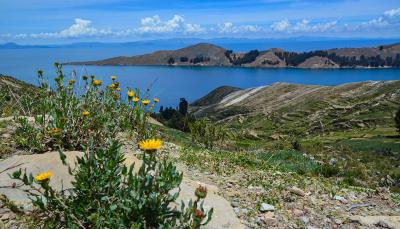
{"x":204,"y":54}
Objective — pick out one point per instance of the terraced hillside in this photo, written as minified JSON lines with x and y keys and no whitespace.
{"x":304,"y":109}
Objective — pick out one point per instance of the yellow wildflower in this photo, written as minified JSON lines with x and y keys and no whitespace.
{"x":71,"y":82}
{"x":135,"y":99}
{"x":112,"y":86}
{"x":118,"y":89}
{"x":150,"y":144}
{"x":97,"y":83}
{"x":43,"y":176}
{"x":54,"y":130}
{"x":130,"y":94}
{"x":85,"y":113}
{"x":113,"y":77}
{"x":145,"y":102}
{"x":156,"y":100}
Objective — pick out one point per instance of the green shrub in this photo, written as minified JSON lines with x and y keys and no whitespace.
{"x":107,"y":194}
{"x":68,"y":115}
{"x":207,"y":134}
{"x":329,"y":170}
{"x":397,"y":121}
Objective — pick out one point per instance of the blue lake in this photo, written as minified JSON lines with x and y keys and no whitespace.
{"x":172,"y":83}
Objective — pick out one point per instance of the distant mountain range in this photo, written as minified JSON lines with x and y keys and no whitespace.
{"x":204,"y":54}
{"x":298,"y":44}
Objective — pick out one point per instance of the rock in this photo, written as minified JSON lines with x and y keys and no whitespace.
{"x":5,"y":217}
{"x":298,"y":212}
{"x":2,"y":226}
{"x":235,"y":203}
{"x":332,"y":162}
{"x":310,"y":227}
{"x":236,"y":210}
{"x":266,"y":207}
{"x":4,"y":210}
{"x":338,"y":221}
{"x":383,"y":224}
{"x":341,"y":199}
{"x":392,"y":222}
{"x":305,"y":219}
{"x":6,"y":135}
{"x":296,"y":191}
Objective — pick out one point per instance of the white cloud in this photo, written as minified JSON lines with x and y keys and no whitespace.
{"x":281,"y":26}
{"x":228,"y":27}
{"x":389,"y":17}
{"x":81,"y":28}
{"x":302,"y":26}
{"x":175,"y":24}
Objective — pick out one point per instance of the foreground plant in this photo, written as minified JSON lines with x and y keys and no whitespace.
{"x":107,"y":194}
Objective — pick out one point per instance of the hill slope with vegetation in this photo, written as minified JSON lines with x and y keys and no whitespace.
{"x":204,"y":54}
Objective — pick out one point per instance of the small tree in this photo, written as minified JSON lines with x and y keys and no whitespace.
{"x":397,"y":121}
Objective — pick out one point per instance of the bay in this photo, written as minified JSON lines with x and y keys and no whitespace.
{"x":172,"y":83}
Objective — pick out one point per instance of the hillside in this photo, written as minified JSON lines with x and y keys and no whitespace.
{"x":204,"y":54}
{"x":316,"y":108}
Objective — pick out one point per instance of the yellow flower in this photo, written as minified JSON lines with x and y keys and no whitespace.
{"x":130,"y":94}
{"x":43,"y":176}
{"x":54,"y":130}
{"x":85,"y":113}
{"x":145,"y":102}
{"x":118,"y":89}
{"x":135,"y":99}
{"x":150,"y":144}
{"x":112,"y":86}
{"x":71,"y":82}
{"x":156,"y":100}
{"x":97,"y":83}
{"x":113,"y":77}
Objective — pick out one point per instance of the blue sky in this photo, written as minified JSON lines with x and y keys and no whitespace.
{"x":67,"y":21}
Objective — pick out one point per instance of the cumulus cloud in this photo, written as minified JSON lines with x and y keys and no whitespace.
{"x":228,"y":27}
{"x":302,"y":26}
{"x":176,"y":24}
{"x":389,"y":17}
{"x":80,"y":28}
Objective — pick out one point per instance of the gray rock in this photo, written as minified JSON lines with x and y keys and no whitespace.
{"x":266,"y":207}
{"x":341,"y":199}
{"x":236,"y":210}
{"x":305,"y":219}
{"x":383,"y":224}
{"x":296,"y":191}
{"x":5,"y":216}
{"x":235,"y":203}
{"x":310,"y":227}
{"x":332,"y":162}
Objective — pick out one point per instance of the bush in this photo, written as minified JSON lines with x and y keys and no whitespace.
{"x":397,"y":121}
{"x":329,"y":170}
{"x":207,"y":134}
{"x":107,"y":194}
{"x":68,"y":115}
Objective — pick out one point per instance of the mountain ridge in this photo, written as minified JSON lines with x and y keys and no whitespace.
{"x":206,"y":54}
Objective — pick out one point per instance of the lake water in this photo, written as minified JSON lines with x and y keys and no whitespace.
{"x":172,"y":83}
